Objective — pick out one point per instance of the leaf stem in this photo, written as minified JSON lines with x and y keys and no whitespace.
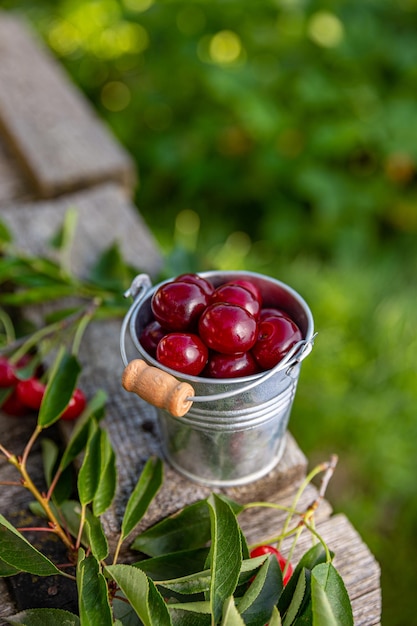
{"x":310,"y":476}
{"x":81,"y":528}
{"x":28,"y":484}
{"x":117,"y":550}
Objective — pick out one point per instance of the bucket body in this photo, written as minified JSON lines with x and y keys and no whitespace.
{"x":234,"y":432}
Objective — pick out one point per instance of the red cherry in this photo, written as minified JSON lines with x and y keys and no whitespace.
{"x":235,"y":294}
{"x":276,"y":336}
{"x":177,"y":305}
{"x":250,"y":286}
{"x":230,"y":365}
{"x":13,"y":406}
{"x":196,"y":279}
{"x":227,"y":328}
{"x":75,"y":407}
{"x":7,"y":373}
{"x":261,"y":550}
{"x":183,"y":352}
{"x":30,"y":392}
{"x":271,"y":312}
{"x":150,"y":336}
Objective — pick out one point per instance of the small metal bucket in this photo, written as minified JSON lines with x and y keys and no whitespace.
{"x":234,"y":431}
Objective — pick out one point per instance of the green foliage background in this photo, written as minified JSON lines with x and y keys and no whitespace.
{"x":280,"y":136}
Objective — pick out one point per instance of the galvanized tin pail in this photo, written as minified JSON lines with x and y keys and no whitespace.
{"x":233,"y":431}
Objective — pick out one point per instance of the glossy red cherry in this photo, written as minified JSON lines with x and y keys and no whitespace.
{"x":250,"y":286}
{"x":227,"y":328}
{"x":276,"y":336}
{"x":177,"y":306}
{"x":8,"y":377}
{"x":13,"y":406}
{"x":30,"y":392}
{"x":183,"y":352}
{"x":271,"y":312}
{"x":75,"y":407}
{"x":230,"y":365}
{"x":196,"y":279}
{"x":235,"y":294}
{"x":150,"y":336}
{"x":261,"y":550}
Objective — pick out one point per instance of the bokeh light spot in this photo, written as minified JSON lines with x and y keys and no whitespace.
{"x":139,"y":6}
{"x":64,"y":37}
{"x":325,"y":29}
{"x":115,"y":96}
{"x":225,"y":47}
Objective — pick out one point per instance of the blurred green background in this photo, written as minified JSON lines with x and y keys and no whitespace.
{"x":280,"y":136}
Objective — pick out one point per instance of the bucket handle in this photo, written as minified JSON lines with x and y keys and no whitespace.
{"x":162,"y":389}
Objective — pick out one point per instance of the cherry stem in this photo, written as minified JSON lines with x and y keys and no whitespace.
{"x":82,"y":325}
{"x":29,"y":445}
{"x":6,"y":453}
{"x":117,"y":551}
{"x":53,"y":484}
{"x":328,"y":467}
{"x":81,"y":528}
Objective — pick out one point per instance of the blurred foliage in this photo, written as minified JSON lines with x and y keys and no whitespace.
{"x":280,"y":136}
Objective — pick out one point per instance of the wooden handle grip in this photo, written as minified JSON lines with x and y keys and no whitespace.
{"x":157,"y":387}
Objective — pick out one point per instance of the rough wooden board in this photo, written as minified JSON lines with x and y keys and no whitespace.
{"x":59,"y":139}
{"x":105,"y":216}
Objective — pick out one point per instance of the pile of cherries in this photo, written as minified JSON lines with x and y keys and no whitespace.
{"x":216,"y":332}
{"x":24,"y":395}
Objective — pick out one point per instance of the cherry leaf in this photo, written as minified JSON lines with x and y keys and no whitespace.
{"x":147,"y":486}
{"x":330,"y":600}
{"x":93,"y":600}
{"x":44,"y":617}
{"x":142,"y":594}
{"x":225,"y":553}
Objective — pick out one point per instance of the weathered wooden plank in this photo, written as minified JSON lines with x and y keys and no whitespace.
{"x":105,"y":216}
{"x":13,"y":184}
{"x":53,"y":130}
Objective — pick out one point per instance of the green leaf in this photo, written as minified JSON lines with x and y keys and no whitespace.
{"x":79,"y":435}
{"x":299,"y":599}
{"x":106,"y":489}
{"x":231,"y":616}
{"x":187,"y":529}
{"x":312,"y":557}
{"x":44,"y":617}
{"x":174,"y":564}
{"x":190,"y":614}
{"x":7,"y":570}
{"x":16,"y":551}
{"x":275,"y":619}
{"x":89,"y":474}
{"x":93,"y":600}
{"x":257,"y":603}
{"x":5,"y":234}
{"x":38,"y":295}
{"x":110,"y":271}
{"x":59,"y":389}
{"x":49,"y":457}
{"x":142,"y":594}
{"x":225,"y":553}
{"x":330,"y":600}
{"x":147,"y":486}
{"x":96,"y":537}
{"x":191,"y":584}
